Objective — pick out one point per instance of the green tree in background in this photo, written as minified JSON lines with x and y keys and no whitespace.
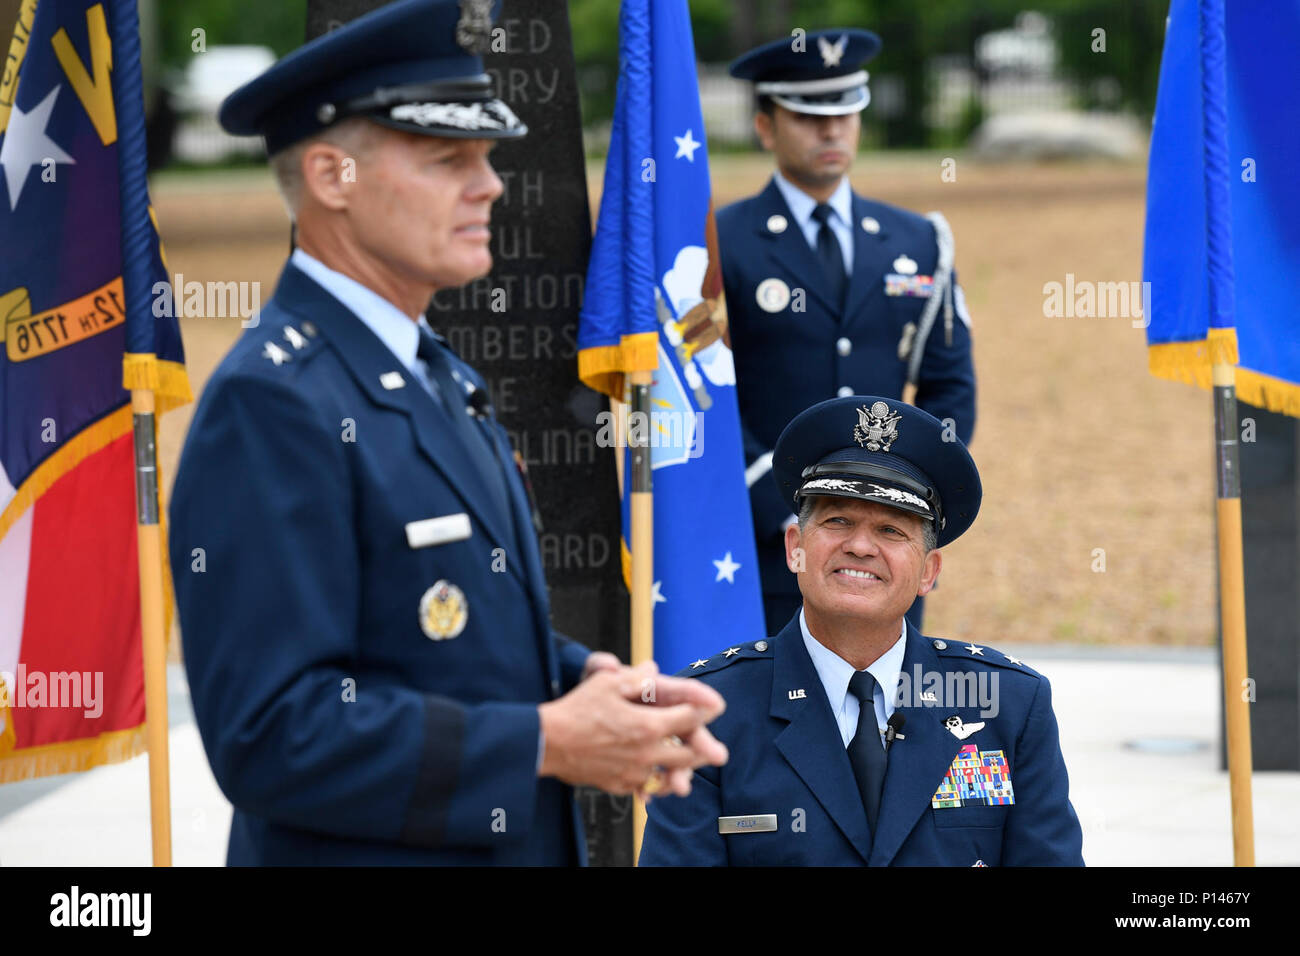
{"x":279,"y":24}
{"x":913,"y":33}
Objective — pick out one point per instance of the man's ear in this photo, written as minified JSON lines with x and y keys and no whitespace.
{"x":325,"y":175}
{"x":763,"y":128}
{"x":930,"y":573}
{"x":795,"y":559}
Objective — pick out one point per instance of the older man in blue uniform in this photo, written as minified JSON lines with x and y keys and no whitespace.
{"x":830,"y":293}
{"x":362,"y":603}
{"x":855,"y":740}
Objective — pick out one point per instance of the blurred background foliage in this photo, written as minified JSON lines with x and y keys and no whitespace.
{"x":916,"y":36}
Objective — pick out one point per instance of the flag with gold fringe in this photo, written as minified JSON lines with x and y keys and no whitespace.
{"x":654,"y":302}
{"x":1226,"y":100}
{"x":79,"y":279}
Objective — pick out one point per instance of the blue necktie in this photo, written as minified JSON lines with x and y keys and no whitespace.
{"x":830,"y":255}
{"x":451,"y":394}
{"x":866,"y":752}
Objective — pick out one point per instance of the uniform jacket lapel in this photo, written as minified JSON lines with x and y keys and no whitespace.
{"x":811,"y":742}
{"x":788,"y":251}
{"x":870,"y":261}
{"x":918,"y":762}
{"x":522,"y":517}
{"x":367,"y":358}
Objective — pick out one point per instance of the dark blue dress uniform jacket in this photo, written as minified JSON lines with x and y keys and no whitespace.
{"x":789,"y":360}
{"x":308,"y":583}
{"x":787,"y":758}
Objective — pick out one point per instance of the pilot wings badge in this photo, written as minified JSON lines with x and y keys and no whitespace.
{"x":877,"y":427}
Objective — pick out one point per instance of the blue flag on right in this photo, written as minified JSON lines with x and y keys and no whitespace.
{"x":1222,"y":243}
{"x":654,"y":302}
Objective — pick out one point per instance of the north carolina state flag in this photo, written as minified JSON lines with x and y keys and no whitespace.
{"x":81,"y":257}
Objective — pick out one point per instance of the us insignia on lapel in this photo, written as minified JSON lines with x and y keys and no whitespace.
{"x":976,"y":778}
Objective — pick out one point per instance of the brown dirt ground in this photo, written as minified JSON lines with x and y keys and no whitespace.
{"x":1079,"y":447}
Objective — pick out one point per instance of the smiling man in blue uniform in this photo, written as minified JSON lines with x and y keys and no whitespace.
{"x":828,"y":292}
{"x":853,"y":739}
{"x":361,"y":596}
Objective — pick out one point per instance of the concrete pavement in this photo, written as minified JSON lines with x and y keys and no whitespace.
{"x":1162,"y":803}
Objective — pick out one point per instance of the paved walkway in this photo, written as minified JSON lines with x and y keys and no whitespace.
{"x":1162,"y":807}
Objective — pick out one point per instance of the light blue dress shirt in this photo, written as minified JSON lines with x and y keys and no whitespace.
{"x":802,"y":206}
{"x":836,"y":672}
{"x":390,"y":324}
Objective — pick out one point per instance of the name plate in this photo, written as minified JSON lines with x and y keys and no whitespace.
{"x":753,"y":823}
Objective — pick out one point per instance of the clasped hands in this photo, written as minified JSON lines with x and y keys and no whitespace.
{"x":630,"y":729}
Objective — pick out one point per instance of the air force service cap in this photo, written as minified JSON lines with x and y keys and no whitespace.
{"x":819,"y":72}
{"x":414,"y":65}
{"x":882,"y":450}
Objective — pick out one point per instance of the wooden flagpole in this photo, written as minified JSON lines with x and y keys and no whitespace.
{"x":642,"y":548}
{"x":149,"y":546}
{"x":1232,"y":614}
{"x":1218,"y":286}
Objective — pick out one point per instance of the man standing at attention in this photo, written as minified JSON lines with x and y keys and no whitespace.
{"x":829,"y":293}
{"x":364,"y":613}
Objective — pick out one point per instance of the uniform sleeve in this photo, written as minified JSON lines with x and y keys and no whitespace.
{"x":1042,"y":829}
{"x":269,"y":624}
{"x":945,"y":384}
{"x":573,"y":658}
{"x":683,"y":831}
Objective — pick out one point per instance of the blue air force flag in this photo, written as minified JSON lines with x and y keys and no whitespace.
{"x":655,"y":271}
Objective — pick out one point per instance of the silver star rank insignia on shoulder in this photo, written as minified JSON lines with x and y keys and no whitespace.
{"x":276,"y":354}
{"x":877,"y":427}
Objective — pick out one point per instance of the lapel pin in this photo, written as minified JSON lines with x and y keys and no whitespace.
{"x":797,"y":694}
{"x":392,"y":380}
{"x":772,"y":294}
{"x":777,"y":224}
{"x":871,"y":224}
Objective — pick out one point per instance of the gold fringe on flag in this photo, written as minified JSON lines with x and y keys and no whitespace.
{"x":70,"y":756}
{"x":1192,"y":363}
{"x":604,"y":367}
{"x":167,"y":380}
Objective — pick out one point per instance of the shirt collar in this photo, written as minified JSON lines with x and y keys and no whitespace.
{"x":802,"y":205}
{"x":390,"y":324}
{"x":836,"y":672}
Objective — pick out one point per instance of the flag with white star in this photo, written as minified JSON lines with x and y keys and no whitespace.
{"x":81,"y":259}
{"x":654,"y":301}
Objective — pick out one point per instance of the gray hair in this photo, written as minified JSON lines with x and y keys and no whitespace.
{"x":356,"y":135}
{"x":929,"y":536}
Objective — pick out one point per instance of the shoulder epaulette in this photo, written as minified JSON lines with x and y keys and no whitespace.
{"x":753,"y":650}
{"x":980,"y":652}
{"x":287,"y":343}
